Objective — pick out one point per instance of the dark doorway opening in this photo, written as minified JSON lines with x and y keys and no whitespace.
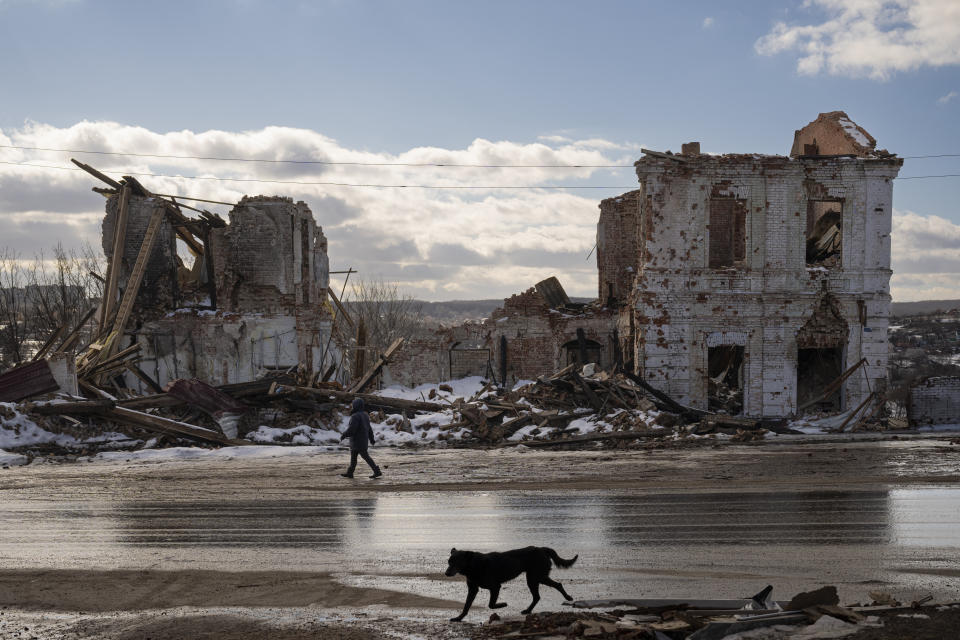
{"x":816,"y":369}
{"x":725,"y":379}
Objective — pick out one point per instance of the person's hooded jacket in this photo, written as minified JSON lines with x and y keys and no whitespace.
{"x":359,"y":430}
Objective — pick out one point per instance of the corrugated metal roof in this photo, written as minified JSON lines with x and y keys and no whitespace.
{"x":26,"y":381}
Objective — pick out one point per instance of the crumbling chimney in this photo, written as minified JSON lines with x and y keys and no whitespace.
{"x":690,"y":149}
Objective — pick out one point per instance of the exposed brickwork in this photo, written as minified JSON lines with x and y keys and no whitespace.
{"x":833,"y":133}
{"x":271,"y":274}
{"x":935,"y":401}
{"x":617,"y":249}
{"x":159,"y":289}
{"x":681,"y":305}
{"x":535,"y":338}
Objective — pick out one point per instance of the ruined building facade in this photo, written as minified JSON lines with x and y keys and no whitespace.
{"x":253,"y":300}
{"x":761,"y":277}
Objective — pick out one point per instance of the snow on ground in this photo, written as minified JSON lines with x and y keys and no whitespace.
{"x":197,"y":453}
{"x":17,"y":430}
{"x":8,"y":459}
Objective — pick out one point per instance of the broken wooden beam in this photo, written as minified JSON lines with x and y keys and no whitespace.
{"x":668,"y":402}
{"x":167,"y":426}
{"x":372,"y":373}
{"x":96,"y":174}
{"x":616,"y":435}
{"x":82,"y":407}
{"x":369,"y":399}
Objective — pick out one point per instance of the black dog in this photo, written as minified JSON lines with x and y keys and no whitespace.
{"x":490,"y":570}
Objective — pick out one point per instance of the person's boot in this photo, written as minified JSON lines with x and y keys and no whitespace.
{"x":347,"y":475}
{"x":376,"y":473}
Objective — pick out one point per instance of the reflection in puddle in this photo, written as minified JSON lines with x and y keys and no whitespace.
{"x":582,"y":520}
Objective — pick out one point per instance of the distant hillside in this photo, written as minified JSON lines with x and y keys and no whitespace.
{"x":922,"y":307}
{"x":453,"y":312}
{"x":458,"y":311}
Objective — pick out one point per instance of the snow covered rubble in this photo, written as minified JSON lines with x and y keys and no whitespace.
{"x":21,"y":432}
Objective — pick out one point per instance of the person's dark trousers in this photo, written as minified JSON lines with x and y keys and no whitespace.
{"x":363,"y":453}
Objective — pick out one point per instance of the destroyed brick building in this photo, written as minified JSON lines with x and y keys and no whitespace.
{"x":754,"y":284}
{"x":765,"y":276}
{"x":253,"y":301}
{"x":535,"y":332}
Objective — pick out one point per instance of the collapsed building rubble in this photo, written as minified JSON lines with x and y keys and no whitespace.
{"x":813,"y":614}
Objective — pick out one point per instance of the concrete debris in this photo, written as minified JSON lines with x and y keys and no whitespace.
{"x":714,"y":620}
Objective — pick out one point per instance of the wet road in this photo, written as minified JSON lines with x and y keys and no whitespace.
{"x":631,"y":543}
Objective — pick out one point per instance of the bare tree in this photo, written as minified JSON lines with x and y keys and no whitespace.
{"x":384,"y":312}
{"x":39,"y":297}
{"x":13,"y":313}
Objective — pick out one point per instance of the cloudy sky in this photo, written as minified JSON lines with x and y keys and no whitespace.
{"x":370,"y":85}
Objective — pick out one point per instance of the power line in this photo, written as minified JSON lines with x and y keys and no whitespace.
{"x":319,"y":183}
{"x":372,"y":164}
{"x":376,"y":186}
{"x":331,"y":162}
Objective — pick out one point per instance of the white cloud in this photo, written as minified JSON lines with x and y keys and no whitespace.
{"x":872,"y":38}
{"x":707,"y":22}
{"x":502,"y":240}
{"x":925,"y":257}
{"x":947,"y":98}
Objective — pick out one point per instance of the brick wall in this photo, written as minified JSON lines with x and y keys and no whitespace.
{"x":680,"y":303}
{"x":535,"y":335}
{"x":617,"y":247}
{"x":935,"y":401}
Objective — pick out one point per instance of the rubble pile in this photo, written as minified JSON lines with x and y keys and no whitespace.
{"x":809,"y":615}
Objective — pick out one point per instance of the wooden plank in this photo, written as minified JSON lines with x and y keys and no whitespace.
{"x":591,"y":396}
{"x":346,"y":316}
{"x":109,"y":298}
{"x":135,"y":280}
{"x":144,"y":378}
{"x":84,"y":407}
{"x":616,"y":435}
{"x":165,"y":425}
{"x":372,"y":373}
{"x":49,"y":343}
{"x":96,"y":174}
{"x":668,"y":156}
{"x":74,"y":335}
{"x":368,"y":398}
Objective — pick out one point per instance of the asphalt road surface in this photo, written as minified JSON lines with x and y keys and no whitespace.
{"x":718,"y":523}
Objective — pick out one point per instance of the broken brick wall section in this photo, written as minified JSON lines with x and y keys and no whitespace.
{"x":682,"y":307}
{"x":271,"y":257}
{"x":833,"y":133}
{"x":617,"y":247}
{"x":935,"y":401}
{"x":271,"y":272}
{"x":224,"y":348}
{"x":539,"y":341}
{"x":159,"y":288}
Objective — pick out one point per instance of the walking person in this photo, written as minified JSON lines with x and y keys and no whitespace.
{"x":359,"y":431}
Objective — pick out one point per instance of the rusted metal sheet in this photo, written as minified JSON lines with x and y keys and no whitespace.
{"x":26,"y":381}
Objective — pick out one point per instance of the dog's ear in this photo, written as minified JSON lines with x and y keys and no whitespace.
{"x":453,"y":551}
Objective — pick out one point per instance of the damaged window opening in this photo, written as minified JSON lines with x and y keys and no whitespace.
{"x":591,"y":352}
{"x":725,"y":378}
{"x":728,"y":233}
{"x":824,"y":233}
{"x":816,"y":369}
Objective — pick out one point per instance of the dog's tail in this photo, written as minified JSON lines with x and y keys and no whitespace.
{"x":557,"y":560}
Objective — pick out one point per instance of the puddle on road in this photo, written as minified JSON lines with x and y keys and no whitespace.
{"x":581,"y":520}
{"x":637,"y":543}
